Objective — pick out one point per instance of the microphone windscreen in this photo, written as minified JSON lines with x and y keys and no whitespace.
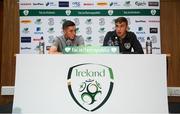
{"x":69,"y":43}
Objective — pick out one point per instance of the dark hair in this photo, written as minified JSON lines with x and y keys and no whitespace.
{"x":67,"y":23}
{"x":121,"y":19}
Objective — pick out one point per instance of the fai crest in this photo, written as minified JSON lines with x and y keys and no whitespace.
{"x":90,"y":85}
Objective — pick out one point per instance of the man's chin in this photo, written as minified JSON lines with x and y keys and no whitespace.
{"x":71,"y":38}
{"x":119,"y":35}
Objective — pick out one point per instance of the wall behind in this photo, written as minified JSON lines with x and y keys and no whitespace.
{"x":1,"y":26}
{"x":10,"y":45}
{"x":170,"y":27}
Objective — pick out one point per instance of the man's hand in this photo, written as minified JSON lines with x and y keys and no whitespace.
{"x":53,"y":50}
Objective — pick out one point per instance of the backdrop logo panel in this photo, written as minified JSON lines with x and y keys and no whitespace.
{"x":90,"y":85}
{"x":93,"y":20}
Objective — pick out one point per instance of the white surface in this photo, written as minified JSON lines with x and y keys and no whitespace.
{"x":140,"y":84}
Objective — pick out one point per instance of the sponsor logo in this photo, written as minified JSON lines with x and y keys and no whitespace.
{"x":101,"y":21}
{"x":153,"y":30}
{"x":51,"y":4}
{"x":25,"y":39}
{"x":101,"y":39}
{"x":140,"y":3}
{"x":113,"y":28}
{"x":38,"y":4}
{"x":127,"y":4}
{"x":25,"y":4}
{"x":153,"y":12}
{"x":51,"y":39}
{"x":102,"y":4}
{"x":25,"y":30}
{"x":140,"y":21}
{"x":37,"y":39}
{"x":113,"y":21}
{"x":153,"y":3}
{"x":88,"y":21}
{"x":51,"y":30}
{"x":110,"y":12}
{"x":102,"y":30}
{"x":129,"y":28}
{"x":154,"y":21}
{"x":114,"y":4}
{"x":62,"y":21}
{"x":63,"y":3}
{"x":77,"y":30}
{"x":88,"y":39}
{"x":38,"y":30}
{"x":140,"y":30}
{"x":127,"y":45}
{"x":38,"y":21}
{"x":88,"y":30}
{"x":141,"y":39}
{"x":26,"y":21}
{"x":76,"y":20}
{"x":26,"y":12}
{"x":154,"y":39}
{"x":129,"y":20}
{"x":76,"y":4}
{"x":25,"y":48}
{"x":68,"y":12}
{"x":90,"y":85}
{"x":51,"y":21}
{"x":88,"y":4}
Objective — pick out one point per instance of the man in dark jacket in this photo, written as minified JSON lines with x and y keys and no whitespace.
{"x":123,"y":38}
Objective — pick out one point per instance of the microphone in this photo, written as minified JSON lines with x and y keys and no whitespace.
{"x":113,"y":40}
{"x":68,"y":43}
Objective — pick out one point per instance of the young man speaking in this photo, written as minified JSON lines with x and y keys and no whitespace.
{"x":123,"y":38}
{"x":69,"y":38}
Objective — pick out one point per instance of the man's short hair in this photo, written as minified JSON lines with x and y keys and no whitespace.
{"x":67,"y":23}
{"x":121,"y":19}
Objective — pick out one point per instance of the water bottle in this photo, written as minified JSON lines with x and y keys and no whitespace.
{"x":148,"y":46}
{"x":41,"y":46}
{"x":69,"y":43}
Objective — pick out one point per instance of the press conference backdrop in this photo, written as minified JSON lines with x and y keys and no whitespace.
{"x":43,"y":19}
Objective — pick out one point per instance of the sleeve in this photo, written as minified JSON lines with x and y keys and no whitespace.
{"x":136,"y":45}
{"x":81,"y":41}
{"x":56,"y":42}
{"x":106,"y":39}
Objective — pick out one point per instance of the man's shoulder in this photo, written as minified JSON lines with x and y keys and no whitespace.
{"x":79,"y":37}
{"x":110,"y":32}
{"x":131,"y":34}
{"x":60,"y":37}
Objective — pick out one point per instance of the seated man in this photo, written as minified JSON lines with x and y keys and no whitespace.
{"x":123,"y":38}
{"x":69,"y":38}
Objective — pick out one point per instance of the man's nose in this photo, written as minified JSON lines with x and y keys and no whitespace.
{"x":118,"y":28}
